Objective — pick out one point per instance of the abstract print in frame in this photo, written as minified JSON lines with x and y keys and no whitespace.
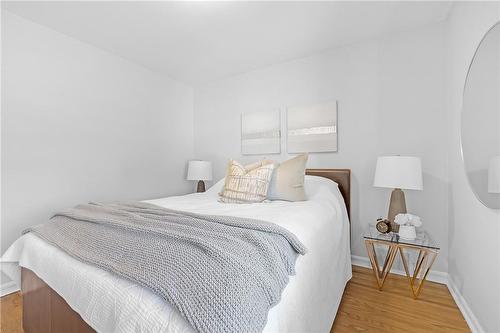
{"x":260,"y":133}
{"x":312,"y":129}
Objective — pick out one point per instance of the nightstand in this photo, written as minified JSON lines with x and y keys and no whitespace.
{"x":426,"y":248}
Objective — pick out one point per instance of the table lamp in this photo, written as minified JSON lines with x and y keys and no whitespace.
{"x":200,"y":171}
{"x":398,"y":172}
{"x":494,"y":175}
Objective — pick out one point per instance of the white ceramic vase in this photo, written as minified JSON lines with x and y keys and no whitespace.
{"x":407,"y":232}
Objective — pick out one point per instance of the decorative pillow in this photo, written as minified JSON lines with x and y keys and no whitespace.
{"x":246,"y":184}
{"x":287,"y":182}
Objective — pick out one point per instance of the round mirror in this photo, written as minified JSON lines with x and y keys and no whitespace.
{"x":481,"y":120}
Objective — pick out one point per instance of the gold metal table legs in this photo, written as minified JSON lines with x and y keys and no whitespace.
{"x":425,"y":260}
{"x":423,"y":265}
{"x":381,"y":273}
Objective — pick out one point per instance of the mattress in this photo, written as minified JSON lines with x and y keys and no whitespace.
{"x":309,"y":302}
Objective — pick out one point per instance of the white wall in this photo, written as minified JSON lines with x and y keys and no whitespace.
{"x":474,"y":230}
{"x":80,"y":124}
{"x":96,"y":127}
{"x":391,"y":101}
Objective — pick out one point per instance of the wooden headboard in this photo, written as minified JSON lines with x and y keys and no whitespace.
{"x":341,"y":177}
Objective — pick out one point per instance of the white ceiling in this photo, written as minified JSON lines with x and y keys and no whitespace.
{"x":195,"y":42}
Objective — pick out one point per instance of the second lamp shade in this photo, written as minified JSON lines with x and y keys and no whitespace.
{"x":199,"y":170}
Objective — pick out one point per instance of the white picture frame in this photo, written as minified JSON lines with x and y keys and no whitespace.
{"x":261,"y":133}
{"x":312,"y":128}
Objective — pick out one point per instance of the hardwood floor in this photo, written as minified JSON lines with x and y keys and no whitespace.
{"x":363,"y":308}
{"x":366,"y":309}
{"x":11,"y":313}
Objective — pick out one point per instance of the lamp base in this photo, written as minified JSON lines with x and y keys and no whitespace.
{"x":201,"y":186}
{"x":396,"y":206}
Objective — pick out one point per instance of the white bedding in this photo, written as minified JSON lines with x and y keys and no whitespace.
{"x":309,"y":302}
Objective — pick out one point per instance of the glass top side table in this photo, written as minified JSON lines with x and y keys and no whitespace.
{"x":425,"y":246}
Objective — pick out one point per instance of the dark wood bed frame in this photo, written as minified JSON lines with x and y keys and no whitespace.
{"x":45,"y":311}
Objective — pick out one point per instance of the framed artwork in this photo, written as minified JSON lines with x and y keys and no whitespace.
{"x":260,"y":133}
{"x":312,"y":129}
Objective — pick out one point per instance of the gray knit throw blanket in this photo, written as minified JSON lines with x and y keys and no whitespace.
{"x":222,"y":273}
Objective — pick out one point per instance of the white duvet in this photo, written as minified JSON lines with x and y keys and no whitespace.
{"x":309,"y":302}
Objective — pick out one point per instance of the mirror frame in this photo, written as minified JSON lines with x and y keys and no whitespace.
{"x":462,"y":111}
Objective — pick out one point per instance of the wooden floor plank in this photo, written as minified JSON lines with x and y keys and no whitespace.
{"x":366,"y":309}
{"x":11,"y":313}
{"x":363,"y":308}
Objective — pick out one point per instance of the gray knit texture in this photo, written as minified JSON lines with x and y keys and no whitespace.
{"x":222,"y":273}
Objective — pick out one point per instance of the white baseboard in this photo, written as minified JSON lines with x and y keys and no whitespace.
{"x":469,"y":316}
{"x":439,"y":277}
{"x":8,"y":288}
{"x":434,"y":276}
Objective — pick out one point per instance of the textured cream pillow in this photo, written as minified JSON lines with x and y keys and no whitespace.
{"x":287,"y":182}
{"x":246,"y":184}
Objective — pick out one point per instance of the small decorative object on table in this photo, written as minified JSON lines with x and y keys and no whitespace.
{"x":200,"y":171}
{"x":427,"y":253}
{"x":383,"y":226}
{"x":407,"y":224}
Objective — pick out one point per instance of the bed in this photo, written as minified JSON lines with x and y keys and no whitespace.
{"x":62,"y":294}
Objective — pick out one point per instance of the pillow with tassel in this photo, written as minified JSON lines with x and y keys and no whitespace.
{"x":246,"y":184}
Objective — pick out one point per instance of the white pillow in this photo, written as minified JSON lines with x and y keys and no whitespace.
{"x":246,"y":184}
{"x":216,"y":188}
{"x":314,"y":184}
{"x":287,"y":181}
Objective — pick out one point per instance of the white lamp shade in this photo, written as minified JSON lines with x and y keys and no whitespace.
{"x":404,"y":172}
{"x":494,"y":175}
{"x":199,"y":170}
